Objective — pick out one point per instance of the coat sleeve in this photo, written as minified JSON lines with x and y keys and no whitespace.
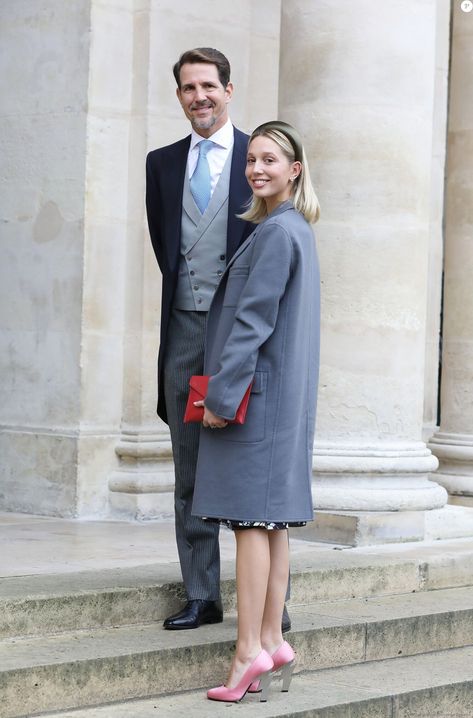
{"x":255,"y":318}
{"x":153,"y":210}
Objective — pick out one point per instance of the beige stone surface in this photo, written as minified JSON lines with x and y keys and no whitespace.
{"x":135,"y":661}
{"x":438,"y":168}
{"x":38,"y":472}
{"x":370,"y":146}
{"x":366,"y":117}
{"x":43,"y":137}
{"x":36,"y":545}
{"x":107,"y":585}
{"x":453,"y":443}
{"x":435,"y":685}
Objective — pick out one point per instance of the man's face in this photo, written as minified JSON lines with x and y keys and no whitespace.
{"x":203,"y":97}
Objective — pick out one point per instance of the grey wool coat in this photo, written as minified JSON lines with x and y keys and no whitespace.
{"x":263,"y":325}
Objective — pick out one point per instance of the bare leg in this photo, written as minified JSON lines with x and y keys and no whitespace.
{"x":271,"y":636}
{"x":252,"y":574}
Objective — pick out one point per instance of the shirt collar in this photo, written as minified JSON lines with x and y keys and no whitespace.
{"x":223,"y":137}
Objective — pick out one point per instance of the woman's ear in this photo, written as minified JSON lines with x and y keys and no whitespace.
{"x":296,"y":170}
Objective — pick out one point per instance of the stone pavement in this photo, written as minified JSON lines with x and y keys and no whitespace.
{"x":36,"y":545}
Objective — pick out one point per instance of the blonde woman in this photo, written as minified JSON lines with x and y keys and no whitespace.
{"x":263,"y":328}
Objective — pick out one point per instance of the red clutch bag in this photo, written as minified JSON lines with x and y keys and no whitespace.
{"x":198,"y":391}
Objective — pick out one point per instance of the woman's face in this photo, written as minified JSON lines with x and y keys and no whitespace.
{"x":269,"y":171}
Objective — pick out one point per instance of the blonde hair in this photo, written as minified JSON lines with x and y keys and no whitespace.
{"x":303,"y":195}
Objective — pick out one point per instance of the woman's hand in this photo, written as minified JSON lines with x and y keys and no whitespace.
{"x":211,"y":420}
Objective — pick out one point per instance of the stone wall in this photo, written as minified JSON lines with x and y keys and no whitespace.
{"x":44,"y":81}
{"x":453,"y":444}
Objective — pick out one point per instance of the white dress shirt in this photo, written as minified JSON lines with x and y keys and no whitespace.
{"x":216,"y":156}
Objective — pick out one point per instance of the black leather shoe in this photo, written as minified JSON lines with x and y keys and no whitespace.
{"x":194,"y":614}
{"x":286,"y":621}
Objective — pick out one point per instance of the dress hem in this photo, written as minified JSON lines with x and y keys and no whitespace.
{"x":268,"y":525}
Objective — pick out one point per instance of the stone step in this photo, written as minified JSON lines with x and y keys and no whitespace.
{"x":54,"y":603}
{"x":91,"y":667}
{"x":433,"y":685}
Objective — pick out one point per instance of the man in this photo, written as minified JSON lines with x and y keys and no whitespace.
{"x":194,"y":190}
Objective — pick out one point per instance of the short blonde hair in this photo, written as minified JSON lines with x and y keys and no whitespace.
{"x":303,"y":194}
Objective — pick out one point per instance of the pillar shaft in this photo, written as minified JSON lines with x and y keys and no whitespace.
{"x":367,"y":122}
{"x":43,"y":125}
{"x":453,"y":444}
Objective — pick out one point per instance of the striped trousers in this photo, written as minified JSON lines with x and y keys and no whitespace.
{"x":197,"y":540}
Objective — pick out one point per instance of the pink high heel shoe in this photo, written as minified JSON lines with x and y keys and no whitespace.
{"x":284,"y":659}
{"x":259,"y":670}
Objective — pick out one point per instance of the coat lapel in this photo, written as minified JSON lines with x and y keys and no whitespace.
{"x":188,"y":202}
{"x":239,"y":192}
{"x":283,"y":207}
{"x":249,"y":240}
{"x":173,"y":188}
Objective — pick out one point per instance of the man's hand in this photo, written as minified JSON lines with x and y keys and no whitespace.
{"x":211,"y":420}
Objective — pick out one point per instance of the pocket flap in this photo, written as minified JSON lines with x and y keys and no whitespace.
{"x":259,"y":381}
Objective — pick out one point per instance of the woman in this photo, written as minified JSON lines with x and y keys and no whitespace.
{"x":263,"y":327}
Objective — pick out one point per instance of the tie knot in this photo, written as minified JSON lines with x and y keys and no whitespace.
{"x":204,"y":147}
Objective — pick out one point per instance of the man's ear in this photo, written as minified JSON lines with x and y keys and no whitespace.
{"x":228,"y":92}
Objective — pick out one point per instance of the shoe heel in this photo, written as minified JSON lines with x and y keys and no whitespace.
{"x":264,"y":684}
{"x":286,"y":673}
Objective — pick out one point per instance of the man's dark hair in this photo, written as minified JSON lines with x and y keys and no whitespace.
{"x":204,"y":54}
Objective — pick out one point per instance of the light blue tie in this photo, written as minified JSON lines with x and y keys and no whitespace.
{"x":200,"y":180}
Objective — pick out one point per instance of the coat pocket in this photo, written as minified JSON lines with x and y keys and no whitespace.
{"x":254,"y":428}
{"x":237,"y":278}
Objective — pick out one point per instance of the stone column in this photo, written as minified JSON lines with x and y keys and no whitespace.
{"x":45,"y":66}
{"x":436,"y":238}
{"x":72,"y":268}
{"x":359,"y":83}
{"x":453,"y":444}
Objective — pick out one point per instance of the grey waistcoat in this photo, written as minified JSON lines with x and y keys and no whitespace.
{"x":203,"y":246}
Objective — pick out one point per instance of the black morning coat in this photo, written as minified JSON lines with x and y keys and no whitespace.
{"x":165,"y":174}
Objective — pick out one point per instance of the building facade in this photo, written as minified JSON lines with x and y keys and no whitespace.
{"x":382,"y":94}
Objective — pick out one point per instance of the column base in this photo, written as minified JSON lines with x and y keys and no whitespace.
{"x":455,"y":474}
{"x":381,"y":477}
{"x":142,"y":507}
{"x":143,"y":487}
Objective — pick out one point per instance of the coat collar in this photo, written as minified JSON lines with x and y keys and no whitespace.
{"x":283,"y":207}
